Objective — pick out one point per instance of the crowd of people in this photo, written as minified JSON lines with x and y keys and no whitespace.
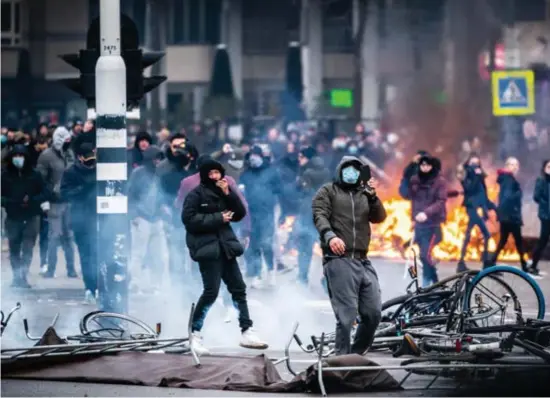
{"x":186,"y":191}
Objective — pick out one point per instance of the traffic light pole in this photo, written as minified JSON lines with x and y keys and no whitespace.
{"x":112,"y":202}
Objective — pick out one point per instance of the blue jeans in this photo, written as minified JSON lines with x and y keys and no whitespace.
{"x":427,"y":237}
{"x":473,"y":220}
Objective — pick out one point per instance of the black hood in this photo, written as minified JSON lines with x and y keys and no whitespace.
{"x":19,"y":149}
{"x":143,"y":135}
{"x":206,"y":164}
{"x":436,"y":167}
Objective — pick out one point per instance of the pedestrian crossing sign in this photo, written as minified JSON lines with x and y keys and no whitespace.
{"x":513,"y":93}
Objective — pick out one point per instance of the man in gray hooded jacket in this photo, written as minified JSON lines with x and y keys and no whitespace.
{"x":52,"y":163}
{"x":342,"y":213}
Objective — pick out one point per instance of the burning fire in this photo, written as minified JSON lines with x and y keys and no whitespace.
{"x":391,"y":238}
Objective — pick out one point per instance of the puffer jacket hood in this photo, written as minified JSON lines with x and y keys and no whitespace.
{"x":60,"y":135}
{"x":346,"y":161}
{"x":206,"y":165}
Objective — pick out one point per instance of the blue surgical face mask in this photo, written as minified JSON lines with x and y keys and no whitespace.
{"x":350,"y":175}
{"x":4,"y":138}
{"x":18,"y":161}
{"x":255,"y":161}
{"x":353,"y":150}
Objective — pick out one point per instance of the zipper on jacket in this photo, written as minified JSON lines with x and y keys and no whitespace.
{"x":353,"y":217}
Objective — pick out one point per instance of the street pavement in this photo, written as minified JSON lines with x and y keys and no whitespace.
{"x":274,"y":311}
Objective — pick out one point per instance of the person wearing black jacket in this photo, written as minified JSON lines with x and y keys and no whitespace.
{"x":342,"y":213}
{"x":78,"y":189}
{"x":472,"y":179}
{"x":207,"y":213}
{"x":509,"y":210}
{"x":179,"y":163}
{"x":542,"y":197}
{"x":24,"y":197}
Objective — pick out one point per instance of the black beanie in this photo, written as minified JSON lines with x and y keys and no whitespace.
{"x":308,"y":152}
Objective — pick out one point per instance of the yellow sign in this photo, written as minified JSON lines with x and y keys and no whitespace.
{"x":513,"y":92}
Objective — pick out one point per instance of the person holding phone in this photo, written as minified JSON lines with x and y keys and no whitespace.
{"x":208,"y":211}
{"x":342,"y":213}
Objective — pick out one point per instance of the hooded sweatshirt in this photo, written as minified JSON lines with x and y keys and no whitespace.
{"x":346,"y":211}
{"x":53,"y":162}
{"x":18,"y":183}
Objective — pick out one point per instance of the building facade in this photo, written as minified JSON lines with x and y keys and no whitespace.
{"x":256,"y":33}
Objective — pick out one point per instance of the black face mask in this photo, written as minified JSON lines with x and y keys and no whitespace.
{"x":89,"y":163}
{"x":66,"y":146}
{"x":182,"y":156}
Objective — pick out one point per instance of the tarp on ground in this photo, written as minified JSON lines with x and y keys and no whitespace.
{"x":217,"y":372}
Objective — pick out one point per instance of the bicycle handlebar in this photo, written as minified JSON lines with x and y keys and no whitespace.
{"x":4,"y":322}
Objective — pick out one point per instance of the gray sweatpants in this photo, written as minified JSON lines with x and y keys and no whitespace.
{"x":354,"y":290}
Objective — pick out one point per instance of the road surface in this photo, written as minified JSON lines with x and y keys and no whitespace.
{"x":273,"y":310}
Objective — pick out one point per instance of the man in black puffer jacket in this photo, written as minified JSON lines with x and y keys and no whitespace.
{"x":207,"y":213}
{"x":342,"y":213}
{"x":509,"y":210}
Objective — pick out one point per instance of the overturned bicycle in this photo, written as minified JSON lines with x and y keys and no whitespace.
{"x":468,"y":330}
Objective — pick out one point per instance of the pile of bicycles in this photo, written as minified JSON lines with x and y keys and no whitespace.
{"x":470,"y":321}
{"x":101,"y":332}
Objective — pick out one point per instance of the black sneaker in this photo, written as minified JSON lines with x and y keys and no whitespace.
{"x":534,"y":272}
{"x":72,"y":274}
{"x":461,"y":267}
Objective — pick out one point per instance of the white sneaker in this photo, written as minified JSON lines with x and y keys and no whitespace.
{"x":256,"y":283}
{"x":249,"y":339}
{"x":272,"y":278}
{"x":89,"y":297}
{"x":231,"y":314}
{"x":197,"y":345}
{"x":44,"y":269}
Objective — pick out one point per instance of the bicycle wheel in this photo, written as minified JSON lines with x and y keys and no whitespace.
{"x":507,"y":277}
{"x":111,"y":326}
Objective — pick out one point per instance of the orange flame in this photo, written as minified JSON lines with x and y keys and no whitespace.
{"x":390,"y":239}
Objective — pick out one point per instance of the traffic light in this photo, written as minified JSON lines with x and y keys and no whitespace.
{"x":136,"y":62}
{"x":85,"y":62}
{"x":136,"y":84}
